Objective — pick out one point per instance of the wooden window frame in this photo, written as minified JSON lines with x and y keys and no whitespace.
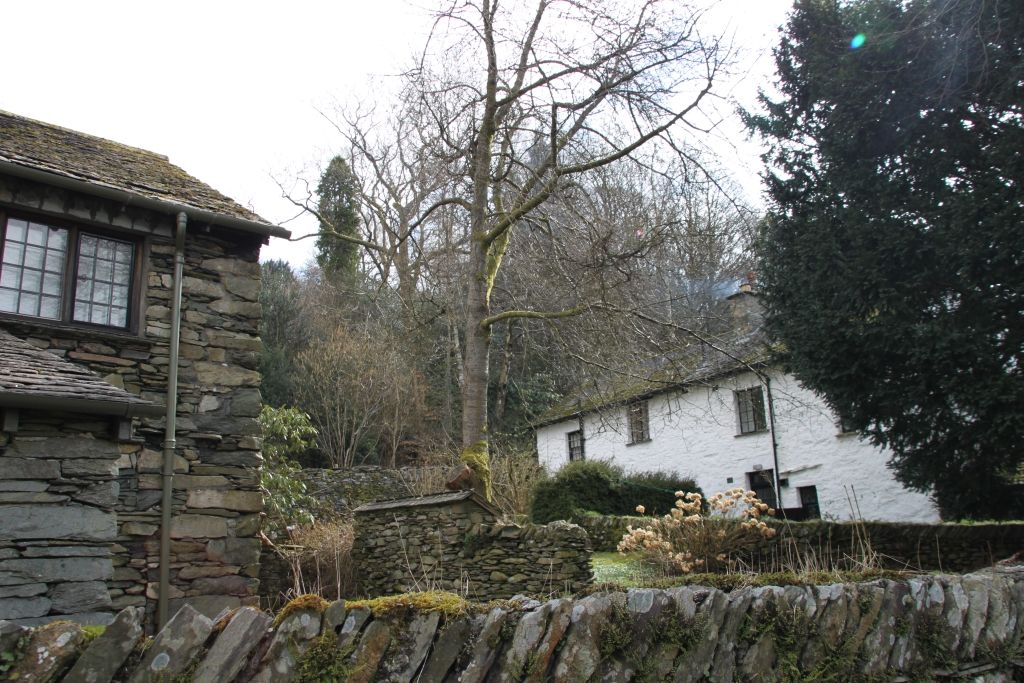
{"x":754,"y":398}
{"x":580,"y":454}
{"x":638,"y":422}
{"x":70,"y":273}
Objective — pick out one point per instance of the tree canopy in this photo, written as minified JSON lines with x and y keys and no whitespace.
{"x":892,"y":252}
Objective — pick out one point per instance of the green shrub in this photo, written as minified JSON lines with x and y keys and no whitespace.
{"x":286,"y":432}
{"x":602,"y":487}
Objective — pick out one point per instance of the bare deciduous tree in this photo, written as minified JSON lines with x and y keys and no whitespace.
{"x":515,"y":108}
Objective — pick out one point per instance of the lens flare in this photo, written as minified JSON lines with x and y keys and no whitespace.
{"x":858,"y":40}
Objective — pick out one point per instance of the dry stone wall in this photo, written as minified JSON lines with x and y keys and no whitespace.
{"x":930,"y":628}
{"x":462,"y":547}
{"x":217,"y":500}
{"x":940,"y":547}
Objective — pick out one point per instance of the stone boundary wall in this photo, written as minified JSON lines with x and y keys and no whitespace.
{"x":931,"y":628}
{"x":346,"y":489}
{"x":462,"y":548}
{"x":217,"y":499}
{"x":939,"y":547}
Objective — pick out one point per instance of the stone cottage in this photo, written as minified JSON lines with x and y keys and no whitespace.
{"x":99,"y":241}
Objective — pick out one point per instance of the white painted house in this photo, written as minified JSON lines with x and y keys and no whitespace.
{"x":717,"y":425}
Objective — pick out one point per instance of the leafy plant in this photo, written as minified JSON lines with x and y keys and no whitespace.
{"x":286,"y":433}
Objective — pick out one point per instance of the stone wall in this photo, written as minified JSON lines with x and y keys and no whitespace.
{"x":58,"y":491}
{"x":217,"y":499}
{"x":461,"y":547}
{"x":941,"y":547}
{"x":932,"y":628}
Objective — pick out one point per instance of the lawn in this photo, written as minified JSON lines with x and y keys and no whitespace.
{"x":624,"y":570}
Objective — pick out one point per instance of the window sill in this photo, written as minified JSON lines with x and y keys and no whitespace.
{"x":638,"y":443}
{"x":51,"y":327}
{"x":746,"y":434}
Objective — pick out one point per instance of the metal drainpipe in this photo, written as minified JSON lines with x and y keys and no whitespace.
{"x":170,"y":425}
{"x":775,"y":443}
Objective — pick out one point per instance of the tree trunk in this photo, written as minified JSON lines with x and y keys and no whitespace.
{"x":478,"y":339}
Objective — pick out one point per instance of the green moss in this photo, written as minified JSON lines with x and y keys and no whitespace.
{"x":449,"y":604}
{"x":188,"y":674}
{"x":8,"y":658}
{"x":617,"y":633}
{"x":325,"y":662}
{"x":476,"y":457}
{"x":307,"y":601}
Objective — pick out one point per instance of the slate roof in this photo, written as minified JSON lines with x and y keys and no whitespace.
{"x":426,"y":501}
{"x":28,"y":373}
{"x":695,"y":364}
{"x":46,"y":147}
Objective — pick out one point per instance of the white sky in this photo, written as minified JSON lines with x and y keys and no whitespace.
{"x":230,"y":90}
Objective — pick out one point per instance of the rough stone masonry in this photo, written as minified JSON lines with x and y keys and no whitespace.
{"x":217,"y":500}
{"x":454,"y":542}
{"x":929,"y":628}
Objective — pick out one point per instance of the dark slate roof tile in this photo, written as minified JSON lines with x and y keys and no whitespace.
{"x":32,"y":372}
{"x":69,"y":153}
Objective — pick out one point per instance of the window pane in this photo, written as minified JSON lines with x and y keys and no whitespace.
{"x":119,"y":296}
{"x":34,"y":257}
{"x":119,"y":317}
{"x":10,"y":276}
{"x":37,"y":234}
{"x":32,"y":281}
{"x":8,"y":300}
{"x":105,"y":250}
{"x":84,"y":290}
{"x":104,"y":271}
{"x":54,"y":261}
{"x":124,"y":252}
{"x":13,"y":253}
{"x":29,"y":304}
{"x":123,"y":272}
{"x":99,"y":315}
{"x":101,"y":293}
{"x":85,"y":267}
{"x":81,"y":310}
{"x":50,"y":307}
{"x":87,"y":245}
{"x":16,"y":230}
{"x":51,"y":284}
{"x":58,"y":239}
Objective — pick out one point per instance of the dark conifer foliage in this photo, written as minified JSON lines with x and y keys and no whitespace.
{"x":892,"y":252}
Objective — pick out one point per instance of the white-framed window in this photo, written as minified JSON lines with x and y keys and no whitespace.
{"x":750,"y":415}
{"x":575,"y":443}
{"x":638,"y":419}
{"x":66,"y":274}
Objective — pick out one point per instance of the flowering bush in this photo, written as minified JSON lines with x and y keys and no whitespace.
{"x":688,"y":539}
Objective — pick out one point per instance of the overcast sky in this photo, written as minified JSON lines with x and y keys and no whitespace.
{"x":230,"y":91}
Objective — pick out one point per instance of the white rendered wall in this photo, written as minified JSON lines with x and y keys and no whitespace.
{"x":695,"y":434}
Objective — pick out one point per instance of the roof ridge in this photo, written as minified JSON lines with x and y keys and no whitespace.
{"x":53,"y":126}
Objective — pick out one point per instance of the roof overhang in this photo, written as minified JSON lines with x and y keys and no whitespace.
{"x":90,"y":406}
{"x":105,"y":191}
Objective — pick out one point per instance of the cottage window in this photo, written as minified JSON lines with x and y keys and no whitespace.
{"x":750,"y":410}
{"x":639,"y":422}
{"x":845,"y":424}
{"x":66,"y":274}
{"x":575,"y":445}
